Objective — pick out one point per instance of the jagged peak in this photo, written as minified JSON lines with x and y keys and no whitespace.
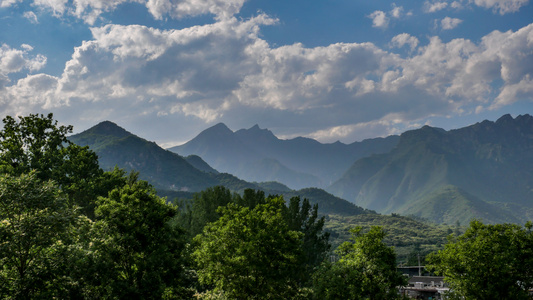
{"x":504,"y":119}
{"x":256,"y":131}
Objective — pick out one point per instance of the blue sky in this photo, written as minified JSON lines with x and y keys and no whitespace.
{"x":330,"y":70}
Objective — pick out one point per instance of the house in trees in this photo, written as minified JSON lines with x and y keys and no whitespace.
{"x":425,"y":287}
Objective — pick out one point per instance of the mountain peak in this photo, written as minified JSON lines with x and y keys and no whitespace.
{"x":108,"y":128}
{"x":255,"y":132}
{"x":218,"y":129}
{"x":504,"y":119}
{"x":220,"y":126}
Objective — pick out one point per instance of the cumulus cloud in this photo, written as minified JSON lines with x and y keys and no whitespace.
{"x":502,"y":6}
{"x":8,"y":3}
{"x":450,"y":23}
{"x":91,"y":10}
{"x":403,"y":39}
{"x":15,"y":60}
{"x":498,"y":6}
{"x":223,"y":71}
{"x":379,"y":19}
{"x":456,"y":5}
{"x":396,"y":12}
{"x":432,"y":7}
{"x":220,"y":8}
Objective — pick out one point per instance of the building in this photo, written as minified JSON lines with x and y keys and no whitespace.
{"x":425,"y":287}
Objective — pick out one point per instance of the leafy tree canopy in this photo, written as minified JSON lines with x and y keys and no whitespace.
{"x":143,"y":248}
{"x":36,"y":225}
{"x":250,"y":253}
{"x":38,"y":143}
{"x":488,"y":261}
{"x":366,"y":269}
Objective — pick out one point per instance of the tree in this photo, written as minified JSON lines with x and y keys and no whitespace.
{"x":250,"y":253}
{"x":36,"y":223}
{"x":205,"y":205}
{"x":141,"y":246}
{"x":366,"y":269}
{"x":488,"y":261}
{"x":37,"y":143}
{"x":315,"y":242}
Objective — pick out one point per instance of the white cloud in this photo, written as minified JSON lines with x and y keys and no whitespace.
{"x":221,"y":8}
{"x":403,"y":39}
{"x":456,"y":5}
{"x":34,"y":92}
{"x":388,"y":125}
{"x":15,"y":60}
{"x":502,"y":6}
{"x":379,"y":19}
{"x":31,"y":16}
{"x":8,"y":3}
{"x":396,"y":11}
{"x":58,"y":7}
{"x":514,"y":92}
{"x":450,"y":23}
{"x":225,"y":71}
{"x":91,"y":10}
{"x":435,"y":6}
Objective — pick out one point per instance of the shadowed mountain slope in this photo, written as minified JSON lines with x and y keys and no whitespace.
{"x":481,"y":171}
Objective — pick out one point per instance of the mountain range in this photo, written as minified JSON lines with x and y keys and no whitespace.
{"x":256,"y":154}
{"x":482,"y":171}
{"x":177,"y":176}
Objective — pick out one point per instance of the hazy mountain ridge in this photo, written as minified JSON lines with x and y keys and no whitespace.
{"x":486,"y":168}
{"x":256,"y":154}
{"x":174,"y":175}
{"x":481,"y":171}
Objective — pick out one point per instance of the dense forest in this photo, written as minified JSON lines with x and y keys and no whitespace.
{"x":70,"y":230}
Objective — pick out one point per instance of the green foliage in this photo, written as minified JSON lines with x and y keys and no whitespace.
{"x":315,"y":243}
{"x":366,"y":269}
{"x":488,"y":261}
{"x":37,"y":143}
{"x":36,"y":224}
{"x":32,"y":144}
{"x":408,"y":235}
{"x":250,"y":253}
{"x":131,"y":248}
{"x":204,"y":208}
{"x":328,"y":203}
{"x":139,"y":245}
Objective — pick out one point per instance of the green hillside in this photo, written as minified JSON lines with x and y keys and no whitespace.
{"x":451,"y":204}
{"x":408,"y":235}
{"x":164,"y":169}
{"x":482,"y":171}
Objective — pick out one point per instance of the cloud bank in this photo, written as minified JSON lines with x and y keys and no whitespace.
{"x":212,"y":71}
{"x":91,"y":10}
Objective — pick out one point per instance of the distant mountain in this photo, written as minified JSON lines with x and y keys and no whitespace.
{"x":481,"y":171}
{"x":258,"y":155}
{"x":164,"y":169}
{"x":175,"y":176}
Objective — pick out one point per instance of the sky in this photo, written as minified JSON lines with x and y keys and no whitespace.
{"x":337,"y":70}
